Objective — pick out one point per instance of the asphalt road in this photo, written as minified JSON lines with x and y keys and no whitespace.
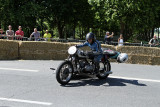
{"x":33,"y":84}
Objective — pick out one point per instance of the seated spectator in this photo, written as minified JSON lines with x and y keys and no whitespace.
{"x":154,"y":41}
{"x":2,"y":34}
{"x":19,"y":33}
{"x":36,"y":35}
{"x":120,"y":40}
{"x":10,"y":33}
{"x":108,"y":37}
{"x":47,"y":36}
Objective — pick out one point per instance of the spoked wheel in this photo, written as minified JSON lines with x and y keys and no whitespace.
{"x":64,"y":73}
{"x":105,"y":67}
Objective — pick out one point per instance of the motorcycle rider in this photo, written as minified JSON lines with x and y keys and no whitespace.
{"x":95,"y":47}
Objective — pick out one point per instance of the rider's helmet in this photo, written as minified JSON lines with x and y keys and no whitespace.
{"x":123,"y":57}
{"x":90,"y":36}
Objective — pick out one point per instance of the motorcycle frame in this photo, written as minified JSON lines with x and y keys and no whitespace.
{"x":105,"y":58}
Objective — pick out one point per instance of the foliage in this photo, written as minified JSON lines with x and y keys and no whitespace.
{"x":134,"y":18}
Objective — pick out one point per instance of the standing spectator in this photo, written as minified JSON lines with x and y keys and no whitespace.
{"x":2,"y":34}
{"x":47,"y":36}
{"x":120,"y":40}
{"x":36,"y":35}
{"x":108,"y":37}
{"x":10,"y":33}
{"x":19,"y":33}
{"x":154,"y":41}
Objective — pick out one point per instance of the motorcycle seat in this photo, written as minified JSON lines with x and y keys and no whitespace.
{"x":109,"y":52}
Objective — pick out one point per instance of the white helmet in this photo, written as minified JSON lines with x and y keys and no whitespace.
{"x":123,"y":57}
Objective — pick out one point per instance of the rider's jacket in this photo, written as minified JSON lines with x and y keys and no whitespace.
{"x":95,"y":46}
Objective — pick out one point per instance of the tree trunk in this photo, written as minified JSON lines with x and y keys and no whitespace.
{"x":42,"y":27}
{"x":74,"y":31}
{"x":1,"y":24}
{"x":145,"y":34}
{"x":122,"y":27}
{"x":152,"y":32}
{"x":82,"y":32}
{"x":60,"y":30}
{"x":158,"y":33}
{"x":149,"y":34}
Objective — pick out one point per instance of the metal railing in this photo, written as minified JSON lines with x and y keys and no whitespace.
{"x":20,"y":38}
{"x":134,"y":44}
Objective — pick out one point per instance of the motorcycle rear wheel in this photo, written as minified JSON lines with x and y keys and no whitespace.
{"x":106,"y":66}
{"x":64,"y":72}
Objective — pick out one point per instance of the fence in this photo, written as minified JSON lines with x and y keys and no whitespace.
{"x":69,"y":40}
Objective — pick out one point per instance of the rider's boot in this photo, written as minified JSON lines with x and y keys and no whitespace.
{"x":97,"y":67}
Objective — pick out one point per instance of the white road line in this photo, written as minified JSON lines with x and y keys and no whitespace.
{"x":26,"y":101}
{"x":149,"y":80}
{"x":14,"y":69}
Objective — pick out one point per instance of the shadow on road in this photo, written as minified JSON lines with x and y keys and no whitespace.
{"x":85,"y":80}
{"x":4,"y":106}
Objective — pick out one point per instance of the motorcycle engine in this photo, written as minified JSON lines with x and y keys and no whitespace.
{"x":86,"y":66}
{"x":89,"y":68}
{"x":82,"y":63}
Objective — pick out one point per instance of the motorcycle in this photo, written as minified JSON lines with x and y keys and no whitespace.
{"x":80,"y":62}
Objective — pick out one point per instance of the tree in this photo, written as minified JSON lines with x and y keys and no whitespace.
{"x":133,"y":17}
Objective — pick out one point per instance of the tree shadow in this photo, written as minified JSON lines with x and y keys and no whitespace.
{"x":86,"y":80}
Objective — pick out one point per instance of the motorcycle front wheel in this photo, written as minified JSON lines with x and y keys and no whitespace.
{"x":105,"y":67}
{"x":64,"y":72}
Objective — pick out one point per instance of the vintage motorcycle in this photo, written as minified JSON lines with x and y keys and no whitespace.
{"x":80,"y":62}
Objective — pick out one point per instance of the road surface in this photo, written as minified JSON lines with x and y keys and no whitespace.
{"x":32,"y":84}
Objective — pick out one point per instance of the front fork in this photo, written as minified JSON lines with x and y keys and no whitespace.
{"x":73,"y":60}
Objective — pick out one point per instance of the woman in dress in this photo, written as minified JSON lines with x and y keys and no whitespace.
{"x":120,"y":40}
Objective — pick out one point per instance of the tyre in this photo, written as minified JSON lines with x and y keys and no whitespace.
{"x":64,"y":72}
{"x":104,"y":68}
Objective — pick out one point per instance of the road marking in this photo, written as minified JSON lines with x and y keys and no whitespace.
{"x":14,"y":69}
{"x":26,"y":101}
{"x":129,"y":78}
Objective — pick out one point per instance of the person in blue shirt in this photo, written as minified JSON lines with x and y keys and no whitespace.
{"x":95,"y":47}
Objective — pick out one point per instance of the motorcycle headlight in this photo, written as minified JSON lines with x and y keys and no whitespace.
{"x":72,"y":50}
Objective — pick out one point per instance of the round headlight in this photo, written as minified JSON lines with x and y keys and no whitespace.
{"x":72,"y":50}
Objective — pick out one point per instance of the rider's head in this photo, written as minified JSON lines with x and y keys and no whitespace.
{"x":90,"y":37}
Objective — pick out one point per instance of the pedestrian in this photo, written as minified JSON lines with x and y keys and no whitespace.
{"x":108,"y":38}
{"x":36,"y":35}
{"x":47,"y":36}
{"x":10,"y":33}
{"x":19,"y":33}
{"x":120,"y":40}
{"x":2,"y":34}
{"x":154,"y":41}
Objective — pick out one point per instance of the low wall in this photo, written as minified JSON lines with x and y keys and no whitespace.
{"x":29,"y":50}
{"x":43,"y":51}
{"x":140,"y":50}
{"x":58,"y":51}
{"x":9,"y":50}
